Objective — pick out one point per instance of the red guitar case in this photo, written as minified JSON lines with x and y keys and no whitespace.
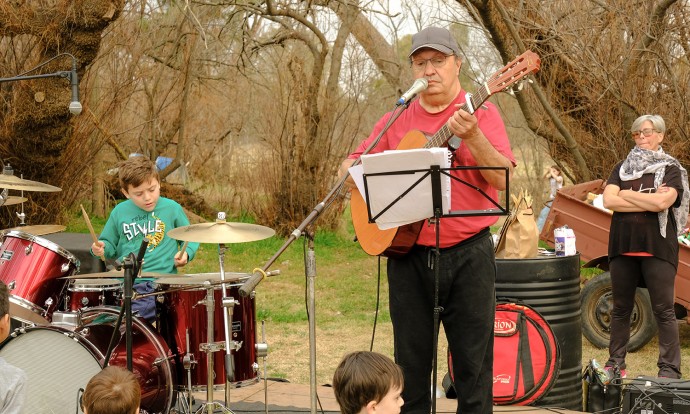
{"x":526,"y":356}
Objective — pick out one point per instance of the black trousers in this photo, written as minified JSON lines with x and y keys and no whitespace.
{"x":659,"y":276}
{"x":467,"y":295}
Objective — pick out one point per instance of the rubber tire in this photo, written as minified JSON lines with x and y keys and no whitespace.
{"x":596,"y":314}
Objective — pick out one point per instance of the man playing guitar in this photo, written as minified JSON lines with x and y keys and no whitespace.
{"x":467,"y":266}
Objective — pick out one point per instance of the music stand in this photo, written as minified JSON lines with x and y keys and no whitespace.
{"x":434,"y":173}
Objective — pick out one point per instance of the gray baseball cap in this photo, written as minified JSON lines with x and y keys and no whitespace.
{"x":435,"y":38}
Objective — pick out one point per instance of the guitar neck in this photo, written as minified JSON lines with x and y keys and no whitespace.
{"x":444,"y":134}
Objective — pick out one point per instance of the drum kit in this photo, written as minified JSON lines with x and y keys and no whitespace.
{"x":67,"y":324}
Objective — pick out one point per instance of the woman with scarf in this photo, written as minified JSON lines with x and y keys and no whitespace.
{"x":648,"y":193}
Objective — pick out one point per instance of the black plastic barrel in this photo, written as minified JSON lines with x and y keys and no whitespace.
{"x":551,"y":285}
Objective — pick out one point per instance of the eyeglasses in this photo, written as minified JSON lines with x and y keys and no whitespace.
{"x":647,"y":132}
{"x":436,"y":61}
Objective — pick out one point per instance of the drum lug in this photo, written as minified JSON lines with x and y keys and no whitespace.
{"x":188,"y":361}
{"x":29,"y":249}
{"x":65,"y":267}
{"x":255,"y":367}
{"x":12,"y":285}
{"x":48,"y":303}
{"x":261,"y":349}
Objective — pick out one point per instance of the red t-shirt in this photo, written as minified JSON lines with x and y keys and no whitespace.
{"x":453,"y":229}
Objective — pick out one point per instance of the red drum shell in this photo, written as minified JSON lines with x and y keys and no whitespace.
{"x":87,"y":293}
{"x":186,"y":313}
{"x":31,"y":267}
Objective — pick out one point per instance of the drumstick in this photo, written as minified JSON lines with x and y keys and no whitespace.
{"x":179,"y":254}
{"x":88,"y":224}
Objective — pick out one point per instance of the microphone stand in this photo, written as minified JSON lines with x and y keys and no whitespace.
{"x":132,"y":265}
{"x":67,"y":74}
{"x":259,"y":274}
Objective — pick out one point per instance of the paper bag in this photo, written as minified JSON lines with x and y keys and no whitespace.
{"x":519,"y":236}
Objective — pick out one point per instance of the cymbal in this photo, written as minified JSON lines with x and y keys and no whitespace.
{"x":40,"y":229}
{"x":221,"y":232}
{"x":13,"y":182}
{"x":200,"y":278}
{"x":11,"y":200}
{"x":115,"y":274}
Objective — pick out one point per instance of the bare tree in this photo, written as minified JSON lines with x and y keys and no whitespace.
{"x":603,"y":64}
{"x":37,"y":136}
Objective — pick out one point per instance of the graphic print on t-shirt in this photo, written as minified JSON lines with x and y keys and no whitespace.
{"x":153,"y":229}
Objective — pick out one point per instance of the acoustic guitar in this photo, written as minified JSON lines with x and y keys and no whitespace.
{"x":397,"y":242}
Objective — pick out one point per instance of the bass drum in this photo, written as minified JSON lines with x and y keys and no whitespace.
{"x":59,"y":360}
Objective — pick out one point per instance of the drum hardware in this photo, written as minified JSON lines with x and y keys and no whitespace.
{"x":132,"y":267}
{"x":262,"y":352}
{"x":220,"y":232}
{"x":188,"y":363}
{"x":210,"y":347}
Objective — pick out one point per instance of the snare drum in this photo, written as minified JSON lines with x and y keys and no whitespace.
{"x":31,"y":267}
{"x":60,"y":359}
{"x":185,"y":316}
{"x":87,"y":293}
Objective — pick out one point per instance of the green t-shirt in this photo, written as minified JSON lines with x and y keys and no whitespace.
{"x":128,"y":225}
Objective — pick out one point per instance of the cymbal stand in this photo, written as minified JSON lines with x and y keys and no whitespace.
{"x":310,"y":269}
{"x":228,"y":305}
{"x":210,"y":347}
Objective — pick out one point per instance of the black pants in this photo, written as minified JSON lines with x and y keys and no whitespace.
{"x":467,"y":295}
{"x":659,"y":276}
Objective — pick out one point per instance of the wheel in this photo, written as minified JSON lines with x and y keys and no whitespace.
{"x":597,"y":305}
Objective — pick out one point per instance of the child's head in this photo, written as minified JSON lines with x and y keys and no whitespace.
{"x":555,"y":170}
{"x":4,"y":311}
{"x":140,"y":181}
{"x":114,"y":390}
{"x":368,"y":382}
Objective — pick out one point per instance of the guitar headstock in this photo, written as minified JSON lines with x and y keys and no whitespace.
{"x":514,"y":72}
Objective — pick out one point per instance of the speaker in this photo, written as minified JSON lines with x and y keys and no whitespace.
{"x":651,"y":395}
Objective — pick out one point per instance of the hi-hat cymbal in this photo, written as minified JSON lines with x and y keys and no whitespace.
{"x":13,"y":182}
{"x":11,"y":200}
{"x":116,"y":274}
{"x":40,"y":229}
{"x":221,"y":232}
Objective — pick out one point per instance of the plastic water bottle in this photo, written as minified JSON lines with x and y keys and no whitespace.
{"x":601,"y":373}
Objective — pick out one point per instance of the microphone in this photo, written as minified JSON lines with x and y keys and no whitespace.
{"x":418,"y":86}
{"x":140,"y":256}
{"x":75,"y":105}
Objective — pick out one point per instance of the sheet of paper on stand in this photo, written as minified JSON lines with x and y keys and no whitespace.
{"x":382,"y":190}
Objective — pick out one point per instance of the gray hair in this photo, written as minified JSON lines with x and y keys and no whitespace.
{"x":656,"y":120}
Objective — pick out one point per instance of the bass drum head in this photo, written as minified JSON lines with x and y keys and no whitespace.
{"x":56,"y":366}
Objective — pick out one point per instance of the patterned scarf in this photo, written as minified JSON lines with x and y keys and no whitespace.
{"x":641,"y":161}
